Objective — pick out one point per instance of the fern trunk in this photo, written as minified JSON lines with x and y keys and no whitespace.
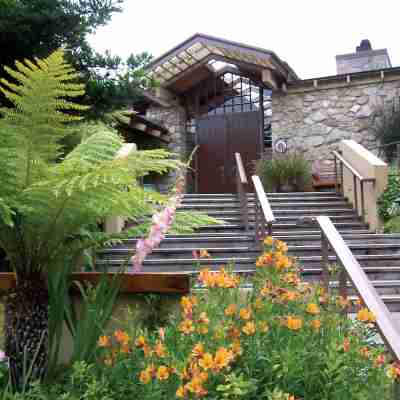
{"x":26,"y":331}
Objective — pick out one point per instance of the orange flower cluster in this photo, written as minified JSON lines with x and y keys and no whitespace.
{"x":393,"y":371}
{"x":294,"y":323}
{"x":364,"y":315}
{"x":275,"y":256}
{"x":220,"y":279}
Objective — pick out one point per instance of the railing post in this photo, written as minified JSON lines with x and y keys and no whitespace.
{"x":398,"y":155}
{"x":241,"y":180}
{"x":341,"y":178}
{"x":355,"y":193}
{"x":336,"y":175}
{"x":362,"y":200}
{"x":325,"y":262}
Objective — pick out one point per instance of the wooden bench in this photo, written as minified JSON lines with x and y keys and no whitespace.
{"x":323,"y":174}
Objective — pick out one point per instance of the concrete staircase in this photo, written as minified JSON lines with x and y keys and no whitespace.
{"x":378,"y":254}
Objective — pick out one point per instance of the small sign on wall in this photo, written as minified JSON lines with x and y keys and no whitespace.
{"x":280,"y":146}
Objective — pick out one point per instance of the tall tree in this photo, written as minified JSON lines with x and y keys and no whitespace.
{"x":36,"y":28}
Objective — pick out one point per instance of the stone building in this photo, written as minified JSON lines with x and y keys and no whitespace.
{"x":227,"y":97}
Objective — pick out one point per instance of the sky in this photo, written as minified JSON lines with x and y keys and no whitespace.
{"x":307,"y":34}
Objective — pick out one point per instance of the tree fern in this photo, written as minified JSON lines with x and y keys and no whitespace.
{"x":47,"y":205}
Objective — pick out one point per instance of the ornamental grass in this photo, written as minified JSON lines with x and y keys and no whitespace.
{"x":284,"y":339}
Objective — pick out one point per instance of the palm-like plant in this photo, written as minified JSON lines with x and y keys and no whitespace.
{"x":45,"y":203}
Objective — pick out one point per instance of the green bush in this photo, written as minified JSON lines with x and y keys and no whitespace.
{"x":386,"y":126}
{"x":286,"y":172}
{"x":387,"y":202}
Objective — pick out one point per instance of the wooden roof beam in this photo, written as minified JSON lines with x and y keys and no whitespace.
{"x":269,"y":79}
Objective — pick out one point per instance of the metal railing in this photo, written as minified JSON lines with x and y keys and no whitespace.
{"x":241,"y":182}
{"x":351,"y":270}
{"x":356,"y":176}
{"x":263,"y":214}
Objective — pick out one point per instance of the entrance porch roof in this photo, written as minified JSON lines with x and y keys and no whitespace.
{"x":192,"y":61}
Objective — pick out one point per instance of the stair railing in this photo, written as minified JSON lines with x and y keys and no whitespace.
{"x":241,"y":182}
{"x":356,"y":176}
{"x":351,"y":269}
{"x":262,"y":211}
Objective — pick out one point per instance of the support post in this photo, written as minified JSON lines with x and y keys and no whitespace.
{"x":325,"y":262}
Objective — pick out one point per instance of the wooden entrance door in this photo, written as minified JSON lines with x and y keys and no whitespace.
{"x":219,"y":137}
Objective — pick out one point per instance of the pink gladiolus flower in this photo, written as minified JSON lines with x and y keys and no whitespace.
{"x":2,"y":356}
{"x":161,"y":223}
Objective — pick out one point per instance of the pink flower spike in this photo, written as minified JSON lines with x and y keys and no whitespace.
{"x":195,"y":254}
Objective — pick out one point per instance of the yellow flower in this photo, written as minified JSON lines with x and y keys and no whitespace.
{"x":290,"y":295}
{"x":245,"y":313}
{"x":233,"y":332}
{"x":312,"y":309}
{"x":364,"y":351}
{"x":198,"y":350}
{"x":269,"y":241}
{"x":186,"y":326}
{"x":162,"y":373}
{"x":108,"y":361}
{"x":291,"y":278}
{"x":230,"y":310}
{"x":316,"y":324}
{"x":203,"y":318}
{"x":281,"y":246}
{"x":222,"y":358}
{"x":283,"y":262}
{"x":236,"y":347}
{"x":204,"y":253}
{"x":181,"y":392}
{"x":122,"y":337}
{"x":250,"y":328}
{"x":206,"y":362}
{"x":104,"y":341}
{"x":202,"y":329}
{"x":263,"y":327}
{"x":364,"y":315}
{"x":140,"y":341}
{"x":342,"y":302}
{"x":294,"y":323}
{"x":160,"y":350}
{"x":258,"y":303}
{"x":145,"y":376}
{"x":196,"y":386}
{"x":125,"y":349}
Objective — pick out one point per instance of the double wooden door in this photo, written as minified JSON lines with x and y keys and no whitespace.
{"x":219,"y":137}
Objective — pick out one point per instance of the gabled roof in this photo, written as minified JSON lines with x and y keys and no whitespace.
{"x":194,"y":54}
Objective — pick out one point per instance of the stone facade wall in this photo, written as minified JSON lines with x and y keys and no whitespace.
{"x":315,"y":121}
{"x":174,"y":119}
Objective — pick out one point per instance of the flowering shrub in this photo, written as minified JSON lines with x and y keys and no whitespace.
{"x":285,"y":339}
{"x":282,"y":340}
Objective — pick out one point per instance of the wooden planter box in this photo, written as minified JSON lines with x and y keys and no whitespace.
{"x":173,"y":283}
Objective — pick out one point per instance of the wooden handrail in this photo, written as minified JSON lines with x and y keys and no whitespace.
{"x":240,"y":169}
{"x":349,"y":166}
{"x":356,"y":175}
{"x":331,"y":237}
{"x":263,"y":212}
{"x":241,"y":181}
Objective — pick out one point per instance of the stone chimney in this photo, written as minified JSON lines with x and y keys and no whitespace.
{"x":364,"y":59}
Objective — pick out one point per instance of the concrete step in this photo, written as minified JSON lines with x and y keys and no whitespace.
{"x":298,"y":219}
{"x":250,"y":251}
{"x":271,"y":199}
{"x":206,"y":241}
{"x":287,"y":227}
{"x":285,"y":211}
{"x":239,"y":261}
{"x":234,"y":205}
